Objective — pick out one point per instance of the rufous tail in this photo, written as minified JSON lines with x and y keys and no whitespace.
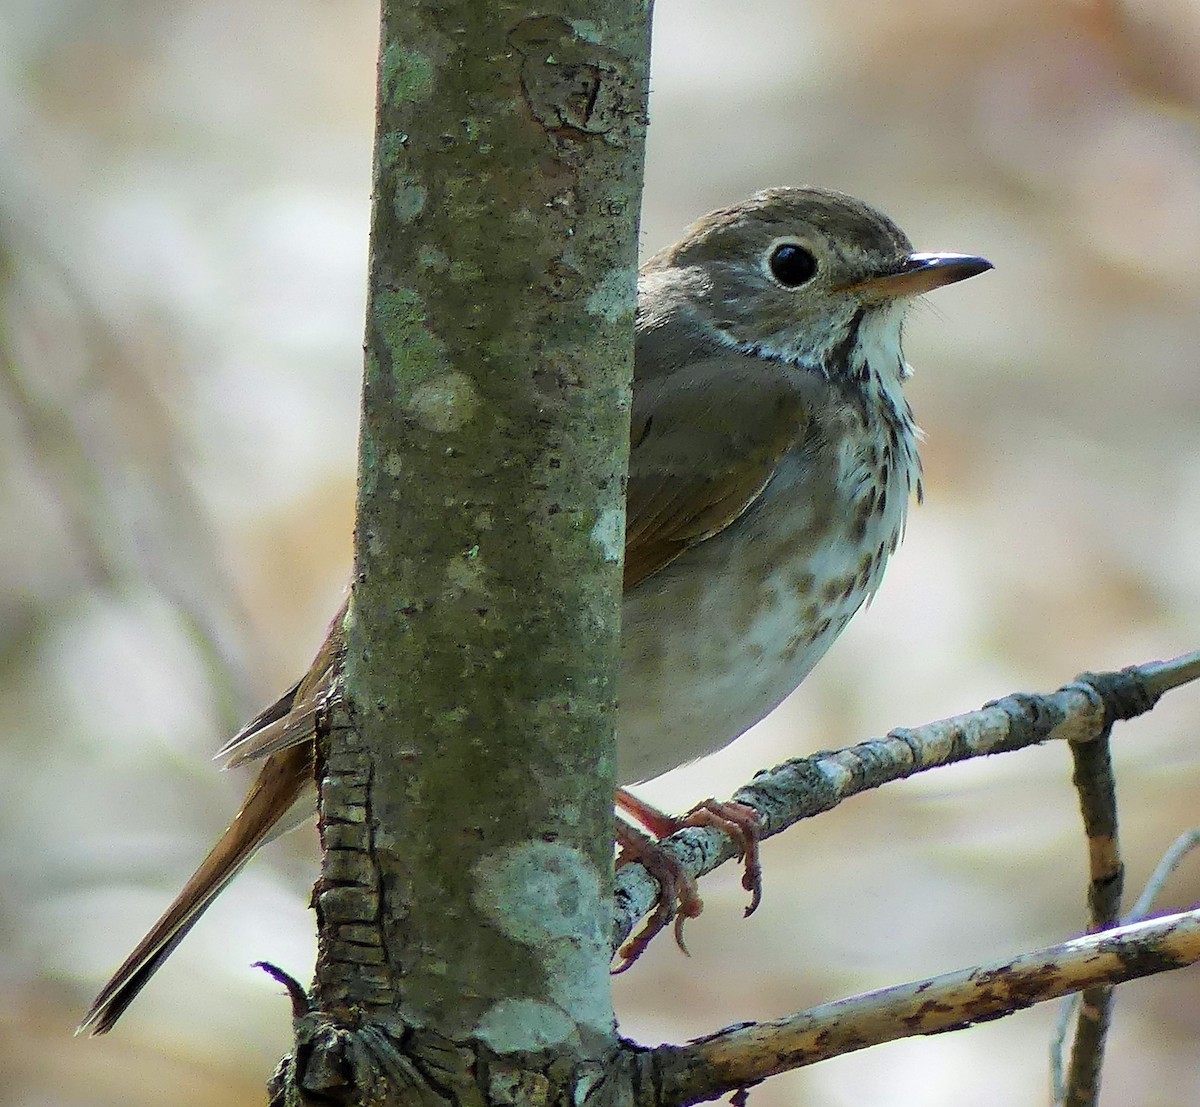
{"x":284,"y":779}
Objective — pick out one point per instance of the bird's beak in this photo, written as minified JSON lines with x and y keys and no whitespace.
{"x":920,"y":273}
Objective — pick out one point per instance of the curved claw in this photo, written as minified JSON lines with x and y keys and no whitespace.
{"x":679,"y":898}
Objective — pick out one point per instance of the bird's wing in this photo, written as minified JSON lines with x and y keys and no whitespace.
{"x":705,"y":442}
{"x":292,"y":718}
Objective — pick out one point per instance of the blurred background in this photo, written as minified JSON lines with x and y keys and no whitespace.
{"x":183,"y":215}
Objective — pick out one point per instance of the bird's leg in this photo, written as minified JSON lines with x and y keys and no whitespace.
{"x":679,"y":897}
{"x":742,"y":823}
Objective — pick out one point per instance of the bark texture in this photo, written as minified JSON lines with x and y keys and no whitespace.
{"x":466,"y":783}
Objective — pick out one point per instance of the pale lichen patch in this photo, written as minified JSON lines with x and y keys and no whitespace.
{"x":613,"y":299}
{"x":430,"y":257}
{"x":588,"y":30}
{"x":609,"y":533}
{"x":391,"y":148}
{"x":547,"y":896}
{"x":405,"y":76}
{"x":463,"y":573}
{"x":444,"y":403}
{"x":523,"y":1025}
{"x":417,"y":354}
{"x":408,"y":201}
{"x":539,"y":891}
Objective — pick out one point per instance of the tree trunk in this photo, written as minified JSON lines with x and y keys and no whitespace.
{"x":467,"y":775}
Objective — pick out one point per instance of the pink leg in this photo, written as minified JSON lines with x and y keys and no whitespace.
{"x":679,"y":898}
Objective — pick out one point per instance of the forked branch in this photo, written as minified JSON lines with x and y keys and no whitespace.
{"x":1081,"y":711}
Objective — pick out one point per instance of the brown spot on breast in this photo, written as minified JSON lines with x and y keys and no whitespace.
{"x":858,"y":529}
{"x":755,"y":603}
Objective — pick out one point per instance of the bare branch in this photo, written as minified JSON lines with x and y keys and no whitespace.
{"x":1094,"y":782}
{"x":1180,"y":848}
{"x":1163,"y":676}
{"x":746,"y":1054}
{"x":1081,"y":711}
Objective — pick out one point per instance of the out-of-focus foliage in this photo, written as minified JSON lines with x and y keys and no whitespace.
{"x":183,"y":211}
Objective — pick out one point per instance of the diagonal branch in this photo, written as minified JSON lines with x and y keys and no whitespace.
{"x":1080,"y":711}
{"x":746,"y":1054}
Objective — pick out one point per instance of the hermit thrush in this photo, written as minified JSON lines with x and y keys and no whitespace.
{"x":773,"y":456}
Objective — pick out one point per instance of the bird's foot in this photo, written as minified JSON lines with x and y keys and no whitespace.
{"x":743,"y":824}
{"x":679,"y":898}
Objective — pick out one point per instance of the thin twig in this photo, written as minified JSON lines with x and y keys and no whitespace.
{"x":1180,"y":848}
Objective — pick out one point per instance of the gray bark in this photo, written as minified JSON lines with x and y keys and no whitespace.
{"x":466,"y":779}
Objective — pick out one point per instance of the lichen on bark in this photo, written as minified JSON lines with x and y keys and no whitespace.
{"x":467,"y":776}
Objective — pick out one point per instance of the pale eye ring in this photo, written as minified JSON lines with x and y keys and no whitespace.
{"x":791,"y":264}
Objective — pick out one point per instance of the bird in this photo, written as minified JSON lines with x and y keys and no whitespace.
{"x":773,"y":456}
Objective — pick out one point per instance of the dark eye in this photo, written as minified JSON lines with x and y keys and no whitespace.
{"x":791,"y":264}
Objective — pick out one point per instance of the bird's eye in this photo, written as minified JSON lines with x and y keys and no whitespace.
{"x":791,"y":264}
